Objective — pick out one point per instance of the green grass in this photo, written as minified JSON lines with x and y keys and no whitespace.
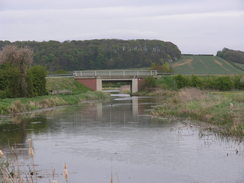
{"x":223,"y":111}
{"x":206,"y":65}
{"x":64,"y":83}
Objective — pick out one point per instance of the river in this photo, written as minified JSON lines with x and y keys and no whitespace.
{"x":119,"y":139}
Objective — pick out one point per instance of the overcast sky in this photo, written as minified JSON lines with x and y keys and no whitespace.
{"x":196,"y":26}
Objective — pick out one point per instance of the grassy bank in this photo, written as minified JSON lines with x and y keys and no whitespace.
{"x":76,"y":94}
{"x":223,"y":111}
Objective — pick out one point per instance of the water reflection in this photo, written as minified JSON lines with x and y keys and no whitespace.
{"x":93,"y":137}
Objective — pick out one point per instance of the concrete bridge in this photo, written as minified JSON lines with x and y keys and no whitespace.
{"x":94,"y":79}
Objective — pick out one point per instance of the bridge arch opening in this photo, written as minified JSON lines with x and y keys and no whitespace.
{"x":122,"y":86}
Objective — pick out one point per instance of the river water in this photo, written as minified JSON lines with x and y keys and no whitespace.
{"x":119,"y":139}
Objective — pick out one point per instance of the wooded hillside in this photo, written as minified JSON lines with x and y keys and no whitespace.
{"x":99,"y":54}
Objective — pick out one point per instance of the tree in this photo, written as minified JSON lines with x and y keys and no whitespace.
{"x":165,"y":67}
{"x":22,"y":59}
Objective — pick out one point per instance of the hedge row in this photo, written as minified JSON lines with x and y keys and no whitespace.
{"x":222,"y":83}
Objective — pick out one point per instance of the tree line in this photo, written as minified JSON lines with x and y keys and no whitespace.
{"x":232,"y":55}
{"x":99,"y":54}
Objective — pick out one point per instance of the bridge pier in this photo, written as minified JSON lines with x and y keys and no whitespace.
{"x":99,"y":86}
{"x":134,"y":86}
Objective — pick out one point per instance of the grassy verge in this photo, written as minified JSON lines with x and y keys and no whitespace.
{"x":223,"y":111}
{"x":78,"y":94}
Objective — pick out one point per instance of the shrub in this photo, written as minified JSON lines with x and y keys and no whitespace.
{"x":167,"y":82}
{"x":182,"y":81}
{"x":237,"y":82}
{"x":150,"y":82}
{"x":9,"y":81}
{"x":223,"y":83}
{"x":196,"y":82}
{"x":37,"y":80}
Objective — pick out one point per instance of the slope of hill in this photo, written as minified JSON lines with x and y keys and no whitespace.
{"x":199,"y":64}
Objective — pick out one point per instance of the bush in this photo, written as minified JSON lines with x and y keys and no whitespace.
{"x":182,"y":81}
{"x":196,"y":82}
{"x":150,"y":82}
{"x":37,"y":80}
{"x":223,"y":83}
{"x":9,"y":81}
{"x":167,"y":82}
{"x":237,"y":82}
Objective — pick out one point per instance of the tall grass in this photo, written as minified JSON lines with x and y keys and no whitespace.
{"x":223,"y":111}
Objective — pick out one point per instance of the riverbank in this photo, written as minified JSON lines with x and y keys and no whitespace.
{"x":18,"y":105}
{"x":62,"y":91}
{"x":223,"y":111}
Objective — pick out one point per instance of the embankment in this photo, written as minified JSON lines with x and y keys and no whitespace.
{"x":66,"y":91}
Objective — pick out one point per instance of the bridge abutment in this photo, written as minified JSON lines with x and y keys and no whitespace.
{"x":88,"y":82}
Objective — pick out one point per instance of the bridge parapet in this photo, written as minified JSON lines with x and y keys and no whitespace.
{"x":115,"y":73}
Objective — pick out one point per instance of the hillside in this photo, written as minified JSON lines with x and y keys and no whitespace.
{"x":99,"y":54}
{"x":197,"y":64}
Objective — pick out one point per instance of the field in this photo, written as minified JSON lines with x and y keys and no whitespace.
{"x":196,"y":64}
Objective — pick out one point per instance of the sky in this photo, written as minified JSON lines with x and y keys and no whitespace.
{"x":195,"y":26}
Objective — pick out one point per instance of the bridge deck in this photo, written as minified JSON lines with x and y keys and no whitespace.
{"x":114,"y":73}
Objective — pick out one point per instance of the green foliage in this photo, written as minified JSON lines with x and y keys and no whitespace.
{"x":9,"y":79}
{"x":222,"y":83}
{"x":196,"y":82}
{"x":232,"y":55}
{"x":238,"y":83}
{"x":17,"y":79}
{"x":100,"y":54}
{"x":165,"y":67}
{"x":37,"y":76}
{"x":150,"y":82}
{"x":60,"y":71}
{"x":182,"y":81}
{"x":166,"y":82}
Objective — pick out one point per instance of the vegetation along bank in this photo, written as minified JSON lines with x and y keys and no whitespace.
{"x":62,"y":91}
{"x":216,"y":100}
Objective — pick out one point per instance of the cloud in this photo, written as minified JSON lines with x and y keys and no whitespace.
{"x":196,"y":26}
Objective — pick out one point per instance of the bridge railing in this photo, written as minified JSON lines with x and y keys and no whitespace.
{"x":115,"y":73}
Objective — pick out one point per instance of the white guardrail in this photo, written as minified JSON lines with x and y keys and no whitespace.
{"x":115,"y":73}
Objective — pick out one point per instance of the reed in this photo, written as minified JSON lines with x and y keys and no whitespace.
{"x":66,"y":172}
